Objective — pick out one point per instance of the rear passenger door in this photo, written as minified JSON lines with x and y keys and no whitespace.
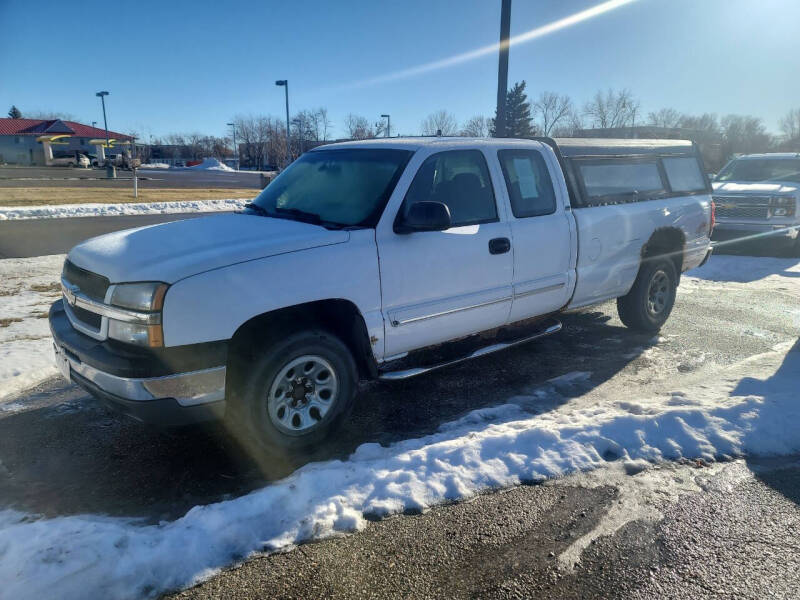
{"x":541,"y":234}
{"x":441,"y":285}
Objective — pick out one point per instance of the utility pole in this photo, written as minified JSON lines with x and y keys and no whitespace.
{"x":102,"y":96}
{"x":388,"y":125}
{"x":502,"y":69}
{"x":285,"y":84}
{"x":235,"y":150}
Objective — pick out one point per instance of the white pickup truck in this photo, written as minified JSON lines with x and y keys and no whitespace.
{"x":757,"y":196}
{"x":376,"y":259}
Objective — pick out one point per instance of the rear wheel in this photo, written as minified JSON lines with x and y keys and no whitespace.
{"x":295,"y":393}
{"x":649,"y":303}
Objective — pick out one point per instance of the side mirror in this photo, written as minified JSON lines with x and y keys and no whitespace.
{"x":425,"y":216}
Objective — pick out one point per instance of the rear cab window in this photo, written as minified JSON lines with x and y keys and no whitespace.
{"x":528,"y":182}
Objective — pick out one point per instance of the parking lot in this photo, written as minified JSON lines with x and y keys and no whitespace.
{"x":63,"y":454}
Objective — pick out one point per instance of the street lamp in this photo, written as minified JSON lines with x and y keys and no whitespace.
{"x":388,"y":125}
{"x":102,"y":96}
{"x":235,"y":159}
{"x":285,"y":84}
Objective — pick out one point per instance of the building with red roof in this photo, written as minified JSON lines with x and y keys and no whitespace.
{"x":35,"y":141}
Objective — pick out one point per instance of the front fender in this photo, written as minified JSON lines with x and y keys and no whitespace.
{"x":212,"y":305}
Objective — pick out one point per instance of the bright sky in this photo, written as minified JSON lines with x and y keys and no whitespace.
{"x":192,"y":65}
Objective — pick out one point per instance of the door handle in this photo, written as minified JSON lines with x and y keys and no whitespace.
{"x":499,"y":245}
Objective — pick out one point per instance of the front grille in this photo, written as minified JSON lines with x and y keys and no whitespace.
{"x":90,"y":284}
{"x":742,"y":207}
{"x":87,"y":317}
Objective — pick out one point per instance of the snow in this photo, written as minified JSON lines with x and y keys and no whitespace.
{"x":98,"y":210}
{"x":563,"y":426}
{"x":28,"y":287}
{"x":154,"y":166}
{"x":751,"y":409}
{"x":212,"y":164}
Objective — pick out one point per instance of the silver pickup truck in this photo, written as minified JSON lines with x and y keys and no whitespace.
{"x":757,"y":196}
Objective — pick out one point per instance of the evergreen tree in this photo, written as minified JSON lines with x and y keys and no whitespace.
{"x":518,"y":114}
{"x":15,"y":113}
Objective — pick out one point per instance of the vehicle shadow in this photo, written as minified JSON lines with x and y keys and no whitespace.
{"x":68,"y":455}
{"x":773,"y":436}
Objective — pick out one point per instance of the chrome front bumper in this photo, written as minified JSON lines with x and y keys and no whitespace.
{"x":757,"y":229}
{"x":187,"y":389}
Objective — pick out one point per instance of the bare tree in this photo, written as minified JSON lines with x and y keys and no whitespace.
{"x":790,"y":125}
{"x":477,"y":126}
{"x":439,"y":121}
{"x":570,"y":125}
{"x":744,"y":134}
{"x":612,"y":109}
{"x":358,"y":127}
{"x":49,"y":115}
{"x":324,"y":122}
{"x":665,"y":117}
{"x":549,"y":110}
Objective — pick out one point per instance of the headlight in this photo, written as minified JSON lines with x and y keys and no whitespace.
{"x":147,"y":296}
{"x":143,"y":327}
{"x":782,"y":206}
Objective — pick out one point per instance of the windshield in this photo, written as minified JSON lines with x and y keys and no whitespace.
{"x":761,"y":169}
{"x":348,"y":187}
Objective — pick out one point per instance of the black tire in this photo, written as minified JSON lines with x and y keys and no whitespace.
{"x":639,"y":309}
{"x":249,"y":399}
{"x":795,"y":249}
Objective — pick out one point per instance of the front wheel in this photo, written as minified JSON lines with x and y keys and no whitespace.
{"x":295,"y":392}
{"x":649,"y":303}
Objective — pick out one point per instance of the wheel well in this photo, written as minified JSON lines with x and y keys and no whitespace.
{"x":341,"y":317}
{"x":666,"y":242}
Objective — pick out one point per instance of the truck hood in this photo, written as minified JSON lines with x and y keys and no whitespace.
{"x":760,"y":187}
{"x":171,"y":251}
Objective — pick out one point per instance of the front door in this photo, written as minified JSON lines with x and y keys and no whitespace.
{"x":442,"y":285}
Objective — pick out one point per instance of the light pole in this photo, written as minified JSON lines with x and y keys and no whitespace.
{"x":235,"y":158}
{"x":388,"y":125}
{"x":285,"y":84}
{"x":502,"y":69}
{"x":94,"y":123}
{"x":102,"y":96}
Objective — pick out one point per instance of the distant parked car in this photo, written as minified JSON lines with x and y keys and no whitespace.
{"x":758,"y":195}
{"x":74,"y":160}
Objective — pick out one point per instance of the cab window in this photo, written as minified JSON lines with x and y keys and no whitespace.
{"x":459,"y":179}
{"x":530,"y":188}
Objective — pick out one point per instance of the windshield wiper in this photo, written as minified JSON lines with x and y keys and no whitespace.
{"x":308,"y":217}
{"x":301,"y":215}
{"x":259,"y":209}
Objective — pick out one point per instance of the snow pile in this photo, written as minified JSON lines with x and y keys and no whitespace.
{"x":28,"y":286}
{"x":102,"y":210}
{"x":752,"y":409}
{"x":154,"y":166}
{"x":212,"y":164}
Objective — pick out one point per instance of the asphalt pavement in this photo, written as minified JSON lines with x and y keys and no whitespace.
{"x":148,"y":178}
{"x":20,"y":238}
{"x":735,"y":536}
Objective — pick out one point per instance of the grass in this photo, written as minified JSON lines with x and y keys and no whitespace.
{"x":33,"y":196}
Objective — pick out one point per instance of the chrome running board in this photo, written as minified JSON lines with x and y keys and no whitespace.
{"x":414,"y":371}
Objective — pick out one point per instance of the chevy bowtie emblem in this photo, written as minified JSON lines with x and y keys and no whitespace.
{"x":70,"y":292}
